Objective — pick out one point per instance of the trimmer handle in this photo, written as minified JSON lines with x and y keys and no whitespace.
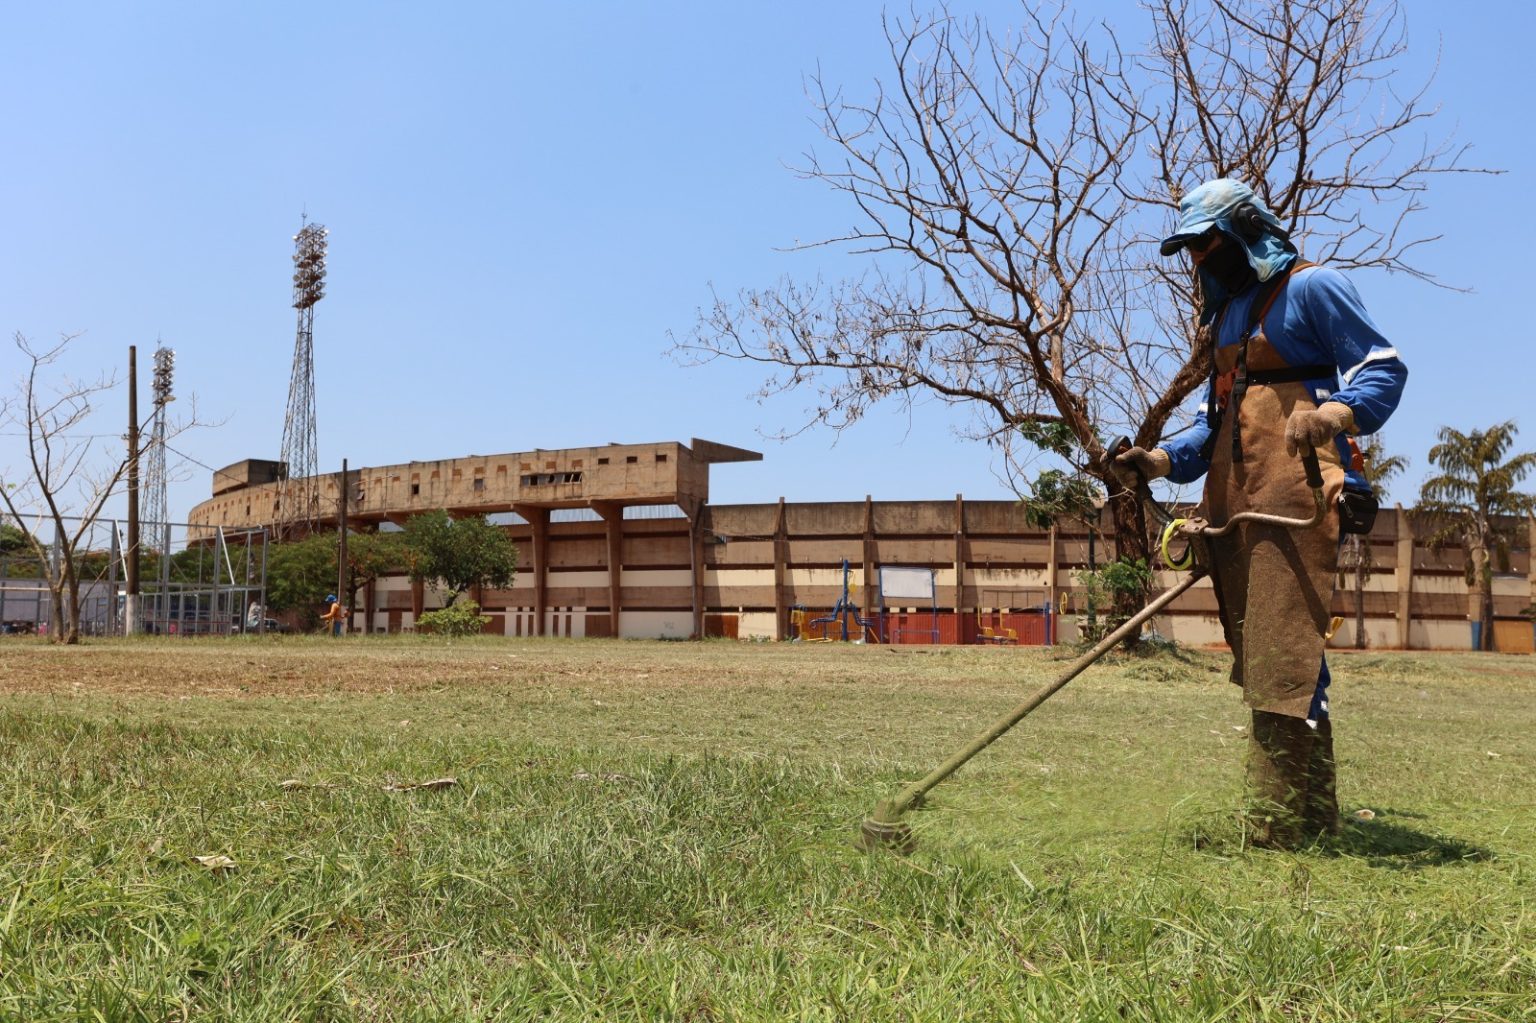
{"x":1119,"y":446}
{"x":1313,"y":470}
{"x":1143,"y":492}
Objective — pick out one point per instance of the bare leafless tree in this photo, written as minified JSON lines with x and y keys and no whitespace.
{"x":1009,"y":190}
{"x":69,"y":474}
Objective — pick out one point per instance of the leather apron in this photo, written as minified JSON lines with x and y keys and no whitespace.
{"x":1274,"y":586}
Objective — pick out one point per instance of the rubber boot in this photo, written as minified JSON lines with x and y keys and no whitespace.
{"x":1322,"y":810}
{"x":1279,"y":762}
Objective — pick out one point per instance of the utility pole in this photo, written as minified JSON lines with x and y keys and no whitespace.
{"x":341,"y":548}
{"x":131,"y":599}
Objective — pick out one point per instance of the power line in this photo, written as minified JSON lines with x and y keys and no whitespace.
{"x":66,"y":436}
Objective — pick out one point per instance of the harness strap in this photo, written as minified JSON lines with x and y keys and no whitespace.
{"x":1292,"y":374}
{"x":1262,"y":303}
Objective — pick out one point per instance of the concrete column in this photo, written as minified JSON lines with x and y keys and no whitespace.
{"x":959,"y":558}
{"x":613,"y":526}
{"x":780,"y":557}
{"x":870,"y":579}
{"x":538,"y":524}
{"x":696,"y":560}
{"x":1404,"y":577}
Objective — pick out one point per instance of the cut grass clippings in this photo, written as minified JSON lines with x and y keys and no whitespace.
{"x":663,"y":831}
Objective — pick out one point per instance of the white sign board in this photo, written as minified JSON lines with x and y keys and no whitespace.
{"x":908,"y":583}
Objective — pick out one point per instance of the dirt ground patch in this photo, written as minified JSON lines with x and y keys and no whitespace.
{"x":304,"y":666}
{"x":241,"y":668}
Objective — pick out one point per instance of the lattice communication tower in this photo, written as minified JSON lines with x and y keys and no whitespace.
{"x":299,"y":496}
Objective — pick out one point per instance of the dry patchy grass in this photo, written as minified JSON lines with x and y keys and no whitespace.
{"x":648,"y":831}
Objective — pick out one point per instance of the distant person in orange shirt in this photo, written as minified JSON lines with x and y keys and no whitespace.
{"x":334,"y":614}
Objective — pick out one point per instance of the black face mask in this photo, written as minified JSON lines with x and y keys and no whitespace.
{"x":1228,"y":263}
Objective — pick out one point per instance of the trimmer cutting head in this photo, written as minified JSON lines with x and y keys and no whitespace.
{"x":875,"y":835}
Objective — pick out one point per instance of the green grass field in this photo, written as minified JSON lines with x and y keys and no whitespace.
{"x":662,"y":831}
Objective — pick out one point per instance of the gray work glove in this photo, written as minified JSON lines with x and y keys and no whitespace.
{"x":1313,"y":428}
{"x":1154,"y":464}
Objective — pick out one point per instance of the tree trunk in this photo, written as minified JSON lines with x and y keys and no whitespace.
{"x":56,"y":602}
{"x":1133,"y":544}
{"x":1486,"y":583}
{"x":1482,"y":595}
{"x":72,"y":588}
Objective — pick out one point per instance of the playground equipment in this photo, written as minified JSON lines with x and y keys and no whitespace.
{"x":1000,"y":613}
{"x":886,"y":829}
{"x":844,"y":613}
{"x":996,"y":632}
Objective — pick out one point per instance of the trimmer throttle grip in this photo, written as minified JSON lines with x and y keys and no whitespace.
{"x":1119,"y":446}
{"x":1314,"y":471}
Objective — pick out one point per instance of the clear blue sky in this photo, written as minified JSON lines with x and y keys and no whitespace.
{"x":524,"y":199}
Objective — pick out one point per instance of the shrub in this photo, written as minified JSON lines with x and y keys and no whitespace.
{"x":462,"y":619}
{"x":1110,"y":589}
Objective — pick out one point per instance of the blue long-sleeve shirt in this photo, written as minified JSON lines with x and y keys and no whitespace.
{"x":1317,"y":319}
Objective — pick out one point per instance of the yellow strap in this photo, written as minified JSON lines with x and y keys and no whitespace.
{"x":1189,"y":552}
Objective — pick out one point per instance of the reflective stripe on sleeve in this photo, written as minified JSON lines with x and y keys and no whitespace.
{"x":1375,"y":355}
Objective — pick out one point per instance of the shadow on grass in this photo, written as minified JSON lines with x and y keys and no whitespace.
{"x":1387,"y":844}
{"x":1399,"y":847}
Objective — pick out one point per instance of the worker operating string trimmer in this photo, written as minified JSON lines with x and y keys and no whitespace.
{"x":1297,"y":367}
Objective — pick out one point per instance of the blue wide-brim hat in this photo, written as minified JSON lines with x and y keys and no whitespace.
{"x":1211,"y":206}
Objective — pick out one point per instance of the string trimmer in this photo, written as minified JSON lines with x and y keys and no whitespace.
{"x":887,"y":829}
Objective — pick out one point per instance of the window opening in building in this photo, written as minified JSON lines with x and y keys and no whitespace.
{"x":631,"y":459}
{"x":661,"y":458}
{"x":479,"y":482}
{"x":602,"y":461}
{"x":415,"y":489}
{"x":542,"y":479}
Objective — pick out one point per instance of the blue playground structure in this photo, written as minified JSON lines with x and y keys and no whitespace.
{"x":845,"y":616}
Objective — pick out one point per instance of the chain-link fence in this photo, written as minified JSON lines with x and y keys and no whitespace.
{"x":193,"y":580}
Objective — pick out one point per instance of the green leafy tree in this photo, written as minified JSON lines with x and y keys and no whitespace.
{"x":17,"y":553}
{"x":299,"y":575}
{"x":457,"y":554}
{"x":1356,"y":554}
{"x":371,"y":555}
{"x":1475,"y":499}
{"x":12,"y":540}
